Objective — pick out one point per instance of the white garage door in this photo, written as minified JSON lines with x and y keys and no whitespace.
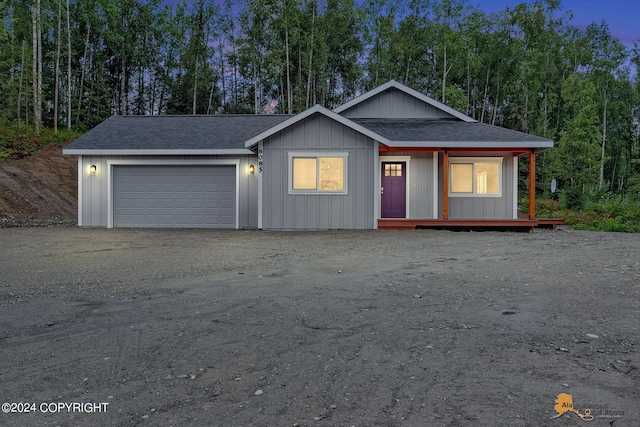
{"x":174,"y":196}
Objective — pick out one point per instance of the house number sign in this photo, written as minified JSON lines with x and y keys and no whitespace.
{"x":260,"y":157}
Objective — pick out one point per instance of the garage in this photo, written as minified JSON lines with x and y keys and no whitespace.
{"x":188,"y":196}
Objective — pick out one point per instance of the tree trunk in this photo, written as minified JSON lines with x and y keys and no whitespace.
{"x":495,"y":105}
{"x":224,"y":90}
{"x":604,"y":138}
{"x":20,"y":86}
{"x":34,"y":68}
{"x":39,"y":65}
{"x":68,"y":68}
{"x":286,"y":46}
{"x":195,"y":87}
{"x":484,"y":98}
{"x":445,"y":72}
{"x":57,"y":80}
{"x":313,"y":20}
{"x":82,"y":70}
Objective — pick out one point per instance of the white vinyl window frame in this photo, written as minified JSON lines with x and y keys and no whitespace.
{"x":318,"y":155}
{"x":474,"y":161}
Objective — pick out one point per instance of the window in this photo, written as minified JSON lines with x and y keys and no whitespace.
{"x":393,"y":169}
{"x":475,"y":176}
{"x":317,"y":173}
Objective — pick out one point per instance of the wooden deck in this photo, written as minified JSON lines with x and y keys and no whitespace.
{"x":524,"y":225}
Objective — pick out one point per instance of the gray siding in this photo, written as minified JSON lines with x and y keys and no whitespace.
{"x":421,"y":183}
{"x":353,"y":210}
{"x":94,"y":188}
{"x":394,"y":104}
{"x":485,"y":207}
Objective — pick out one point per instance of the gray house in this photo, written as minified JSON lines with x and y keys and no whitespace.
{"x":390,"y":158}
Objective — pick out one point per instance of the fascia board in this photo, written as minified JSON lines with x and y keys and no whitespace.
{"x":158,"y":152}
{"x":471,"y":144}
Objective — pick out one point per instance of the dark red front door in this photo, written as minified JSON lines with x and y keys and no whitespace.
{"x":394,"y":191}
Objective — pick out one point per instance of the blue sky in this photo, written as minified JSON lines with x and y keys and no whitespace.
{"x":622,"y":16}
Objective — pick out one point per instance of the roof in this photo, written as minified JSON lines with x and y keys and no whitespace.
{"x":216,"y":134}
{"x":237,"y":134}
{"x":450,"y":133}
{"x":394,"y":84}
{"x":317,"y":109}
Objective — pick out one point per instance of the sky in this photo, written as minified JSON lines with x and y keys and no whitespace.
{"x":622,"y":16}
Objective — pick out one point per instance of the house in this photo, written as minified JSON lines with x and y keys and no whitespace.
{"x":390,"y":158}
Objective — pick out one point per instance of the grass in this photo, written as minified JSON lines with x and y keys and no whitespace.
{"x":609,"y":213}
{"x":15,"y":147}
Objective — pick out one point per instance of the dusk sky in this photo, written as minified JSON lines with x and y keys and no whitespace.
{"x":622,"y":16}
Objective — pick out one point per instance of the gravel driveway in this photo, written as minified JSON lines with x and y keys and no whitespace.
{"x":348,"y":328}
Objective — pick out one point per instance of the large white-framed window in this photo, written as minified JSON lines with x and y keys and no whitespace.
{"x":475,"y":176}
{"x":318,"y":173}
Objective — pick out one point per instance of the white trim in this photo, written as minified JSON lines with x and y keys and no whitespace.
{"x":308,"y":112}
{"x":474,"y":160}
{"x":317,"y":155}
{"x":80,"y":176}
{"x":436,"y":185}
{"x":514,"y":159}
{"x":176,"y":162}
{"x":260,"y":183}
{"x":376,"y":184}
{"x":159,"y":152}
{"x":409,"y":91}
{"x":407,"y":183}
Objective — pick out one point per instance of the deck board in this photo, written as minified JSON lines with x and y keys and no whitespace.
{"x":468,"y":224}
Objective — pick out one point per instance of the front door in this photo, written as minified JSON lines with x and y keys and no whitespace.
{"x":394,"y":191}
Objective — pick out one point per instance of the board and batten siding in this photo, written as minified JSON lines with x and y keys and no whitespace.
{"x":93,"y":197}
{"x":394,"y":104}
{"x":486,"y":207}
{"x":422,"y":183}
{"x":318,"y":133}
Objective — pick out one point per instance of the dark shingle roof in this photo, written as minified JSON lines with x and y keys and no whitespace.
{"x":446,"y":131}
{"x":220,"y":132}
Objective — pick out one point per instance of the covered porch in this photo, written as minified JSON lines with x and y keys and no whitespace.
{"x":520,"y":221}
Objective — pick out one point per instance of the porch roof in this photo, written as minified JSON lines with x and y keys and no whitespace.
{"x":451,"y":133}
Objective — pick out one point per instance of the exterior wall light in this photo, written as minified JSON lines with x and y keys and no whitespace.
{"x":93,"y":168}
{"x":252,"y":169}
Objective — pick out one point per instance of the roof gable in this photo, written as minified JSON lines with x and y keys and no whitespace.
{"x":450,"y":112}
{"x":317,"y":109}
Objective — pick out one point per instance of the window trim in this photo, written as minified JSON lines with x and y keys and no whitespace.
{"x":317,"y":155}
{"x":474,"y":160}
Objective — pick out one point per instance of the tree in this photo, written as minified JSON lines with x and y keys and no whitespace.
{"x":608,"y":54}
{"x":579,"y":136}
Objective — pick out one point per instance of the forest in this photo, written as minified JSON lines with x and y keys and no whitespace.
{"x":66,"y":65}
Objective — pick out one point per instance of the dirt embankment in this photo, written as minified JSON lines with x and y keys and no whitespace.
{"x":39,"y":189}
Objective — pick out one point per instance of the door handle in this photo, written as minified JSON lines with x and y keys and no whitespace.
{"x":381,"y":190}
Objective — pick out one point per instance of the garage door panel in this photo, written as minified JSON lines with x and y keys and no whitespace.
{"x":174,"y":196}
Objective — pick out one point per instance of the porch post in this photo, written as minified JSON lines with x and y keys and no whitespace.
{"x":532,"y":184}
{"x":445,"y":185}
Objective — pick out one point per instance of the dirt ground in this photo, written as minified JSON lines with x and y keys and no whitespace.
{"x":39,"y":189}
{"x":376,"y":328}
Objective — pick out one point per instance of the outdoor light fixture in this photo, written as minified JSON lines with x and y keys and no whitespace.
{"x":92,"y":169}
{"x":252,"y":169}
